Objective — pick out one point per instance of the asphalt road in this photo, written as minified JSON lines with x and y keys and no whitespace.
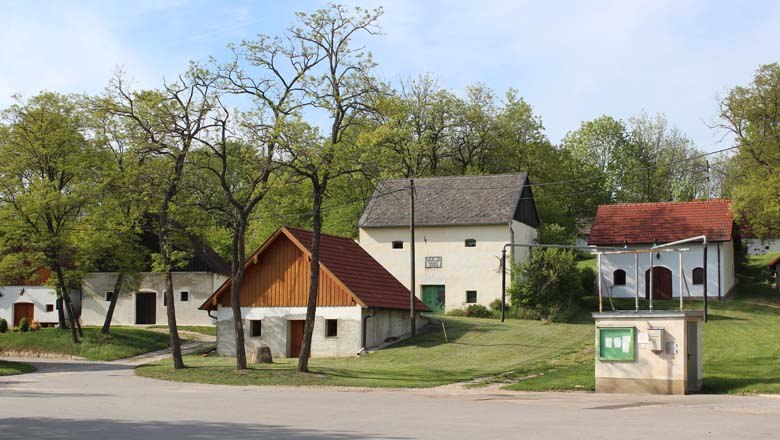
{"x":79,"y":400}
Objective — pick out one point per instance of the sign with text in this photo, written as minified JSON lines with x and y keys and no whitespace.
{"x":433,"y":262}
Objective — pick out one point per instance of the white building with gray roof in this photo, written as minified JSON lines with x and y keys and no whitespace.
{"x":461,"y":226}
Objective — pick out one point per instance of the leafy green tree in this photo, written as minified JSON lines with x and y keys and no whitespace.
{"x":751,"y":114}
{"x":47,"y":169}
{"x":167,"y":124}
{"x":547,"y":285}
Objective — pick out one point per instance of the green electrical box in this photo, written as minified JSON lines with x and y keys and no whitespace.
{"x":617,"y":344}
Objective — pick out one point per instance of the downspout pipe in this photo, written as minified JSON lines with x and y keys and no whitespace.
{"x":365,"y":326}
{"x":210,"y":316}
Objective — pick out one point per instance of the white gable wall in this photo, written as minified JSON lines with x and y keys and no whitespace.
{"x":463,"y":268}
{"x":39,"y":296}
{"x":670,"y":260}
{"x":757,"y":246}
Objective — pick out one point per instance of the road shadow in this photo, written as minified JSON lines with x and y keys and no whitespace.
{"x":51,"y":428}
{"x":44,"y":366}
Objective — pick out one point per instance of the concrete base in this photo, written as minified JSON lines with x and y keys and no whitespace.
{"x":639,"y":386}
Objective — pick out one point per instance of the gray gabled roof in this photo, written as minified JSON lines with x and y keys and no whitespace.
{"x":455,"y":200}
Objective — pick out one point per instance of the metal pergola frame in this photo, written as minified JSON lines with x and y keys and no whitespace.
{"x":599,"y":251}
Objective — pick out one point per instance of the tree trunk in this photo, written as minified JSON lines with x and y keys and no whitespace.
{"x":66,"y":299}
{"x":237,"y":269}
{"x":314,"y":282}
{"x":114,"y":297}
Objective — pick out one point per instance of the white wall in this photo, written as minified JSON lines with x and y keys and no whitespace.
{"x":757,"y":246}
{"x":276,"y":330}
{"x":670,"y":260}
{"x":39,"y":296}
{"x":200,"y":286}
{"x":463,"y":268}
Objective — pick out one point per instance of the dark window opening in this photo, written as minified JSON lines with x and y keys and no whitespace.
{"x":698,"y":275}
{"x":109,"y":295}
{"x":165,"y":299}
{"x":331,"y":328}
{"x":470,"y":242}
{"x":255,"y":328}
{"x":471,"y":296}
{"x":398,"y":245}
{"x":49,"y":307}
{"x":184,"y":295}
{"x":619,"y":278}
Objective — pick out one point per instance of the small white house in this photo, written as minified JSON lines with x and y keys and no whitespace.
{"x":461,"y":225}
{"x":146,"y":304}
{"x":33,"y":300}
{"x":640,"y":225}
{"x":360,"y":305}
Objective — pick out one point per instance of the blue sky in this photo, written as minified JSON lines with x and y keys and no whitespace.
{"x":572,"y":61}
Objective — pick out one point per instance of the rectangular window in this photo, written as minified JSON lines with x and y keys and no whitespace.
{"x":470,"y":242}
{"x":184,"y":295}
{"x":49,"y":307}
{"x":331,"y":328}
{"x":109,"y":295}
{"x":255,"y":328}
{"x":398,"y":245}
{"x":165,"y":299}
{"x":471,"y":296}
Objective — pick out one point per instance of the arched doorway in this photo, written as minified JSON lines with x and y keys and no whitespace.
{"x":662,"y":283}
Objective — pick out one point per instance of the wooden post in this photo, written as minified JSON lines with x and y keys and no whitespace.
{"x":636,"y":282}
{"x":503,"y":283}
{"x":651,"y":280}
{"x":706,"y":280}
{"x":412,"y":287}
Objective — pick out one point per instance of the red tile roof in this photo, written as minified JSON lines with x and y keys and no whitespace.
{"x":643,"y":223}
{"x":359,"y":271}
{"x":774,"y":262}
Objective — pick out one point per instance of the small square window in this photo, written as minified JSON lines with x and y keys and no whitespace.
{"x":471,"y":296}
{"x":470,"y":242}
{"x":331,"y":328}
{"x":49,"y":307}
{"x":398,"y":245}
{"x":184,"y":295}
{"x":109,"y":295}
{"x":255,"y":328}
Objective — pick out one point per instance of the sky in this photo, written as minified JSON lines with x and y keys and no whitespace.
{"x":572,"y":61}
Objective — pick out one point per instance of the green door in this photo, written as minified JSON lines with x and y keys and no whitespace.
{"x":433,"y":297}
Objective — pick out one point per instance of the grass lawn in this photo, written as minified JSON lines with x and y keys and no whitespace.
{"x":8,"y":368}
{"x":477,"y":348}
{"x":741,"y":349}
{"x":209,"y":330}
{"x":123,"y":342}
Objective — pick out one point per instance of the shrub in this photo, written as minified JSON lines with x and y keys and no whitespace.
{"x":24,"y":325}
{"x":3,"y":325}
{"x":456,"y":312}
{"x":495,"y":305}
{"x":547,"y":285}
{"x":588,"y":279}
{"x":478,"y":311}
{"x":35,"y":326}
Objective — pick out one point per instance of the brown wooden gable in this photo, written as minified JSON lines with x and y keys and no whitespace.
{"x":278,"y":276}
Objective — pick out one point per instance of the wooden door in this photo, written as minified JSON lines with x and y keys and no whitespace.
{"x":23,"y":310}
{"x":434,"y":298}
{"x":296,"y":337}
{"x":662,"y":283}
{"x":146,"y":308}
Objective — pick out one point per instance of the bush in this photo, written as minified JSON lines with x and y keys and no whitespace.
{"x":547,"y":285}
{"x":588,"y":279}
{"x":478,"y":311}
{"x":495,"y":305}
{"x":24,"y":326}
{"x":3,"y":325}
{"x":456,"y":312}
{"x":35,"y":326}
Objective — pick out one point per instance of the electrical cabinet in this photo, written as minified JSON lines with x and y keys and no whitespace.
{"x":655,"y":339}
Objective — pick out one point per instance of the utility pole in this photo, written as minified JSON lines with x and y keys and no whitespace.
{"x":707,"y":180}
{"x":503,"y":284}
{"x":412,"y":287}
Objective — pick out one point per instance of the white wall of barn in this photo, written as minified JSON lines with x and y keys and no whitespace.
{"x":200,"y":285}
{"x":39,"y":296}
{"x":757,"y":246}
{"x":670,"y":260}
{"x":463,"y":268}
